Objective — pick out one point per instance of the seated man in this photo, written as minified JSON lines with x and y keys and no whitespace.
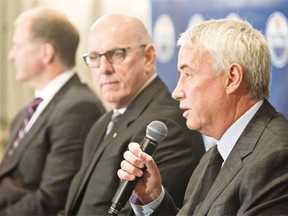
{"x":44,"y":150}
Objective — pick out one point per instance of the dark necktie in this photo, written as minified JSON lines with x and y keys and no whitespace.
{"x":21,"y":132}
{"x":114,"y":118}
{"x":211,"y":173}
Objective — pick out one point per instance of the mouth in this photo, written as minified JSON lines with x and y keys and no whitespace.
{"x":185,"y":111}
{"x":109,"y":83}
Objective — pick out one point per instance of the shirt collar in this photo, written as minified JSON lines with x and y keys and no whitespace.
{"x":121,"y":110}
{"x":230,"y":137}
{"x":54,"y":85}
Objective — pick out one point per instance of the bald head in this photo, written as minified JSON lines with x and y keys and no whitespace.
{"x":124,"y":29}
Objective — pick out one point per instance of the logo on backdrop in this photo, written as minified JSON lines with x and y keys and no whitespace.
{"x":277,"y":38}
{"x":164,"y":38}
{"x":195,"y":19}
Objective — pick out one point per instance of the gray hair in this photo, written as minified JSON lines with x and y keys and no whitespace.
{"x":235,"y":41}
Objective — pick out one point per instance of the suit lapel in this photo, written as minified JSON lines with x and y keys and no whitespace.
{"x":225,"y":176}
{"x":99,"y":146}
{"x":244,"y":146}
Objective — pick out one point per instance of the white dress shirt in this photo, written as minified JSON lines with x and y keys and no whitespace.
{"x":208,"y":141}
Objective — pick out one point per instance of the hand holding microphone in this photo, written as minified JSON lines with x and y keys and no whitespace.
{"x":155,"y":133}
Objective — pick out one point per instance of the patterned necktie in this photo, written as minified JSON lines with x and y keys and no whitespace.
{"x":114,"y":118}
{"x":21,"y":132}
{"x":211,"y":173}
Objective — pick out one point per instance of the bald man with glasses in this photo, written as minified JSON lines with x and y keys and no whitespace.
{"x":122,"y":62}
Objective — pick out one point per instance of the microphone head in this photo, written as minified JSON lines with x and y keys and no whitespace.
{"x":157,"y":131}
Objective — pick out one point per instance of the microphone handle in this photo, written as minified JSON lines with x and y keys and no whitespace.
{"x":126,"y":188}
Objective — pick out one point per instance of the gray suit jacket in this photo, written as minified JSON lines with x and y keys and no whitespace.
{"x":254,"y":178}
{"x":94,"y":185}
{"x":36,"y":179}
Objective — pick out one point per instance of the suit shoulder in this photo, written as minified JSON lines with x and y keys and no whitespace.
{"x":278,"y":126}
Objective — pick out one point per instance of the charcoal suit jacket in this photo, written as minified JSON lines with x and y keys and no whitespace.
{"x":35,"y":180}
{"x":93,"y":187}
{"x":253,"y":179}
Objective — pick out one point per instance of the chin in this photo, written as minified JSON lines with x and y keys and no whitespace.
{"x":189,"y":126}
{"x":192,"y":126}
{"x":110,"y":101}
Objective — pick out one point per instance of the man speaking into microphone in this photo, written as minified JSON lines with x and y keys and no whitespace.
{"x":122,"y":62}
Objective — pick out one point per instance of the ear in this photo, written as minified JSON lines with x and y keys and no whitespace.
{"x":150,"y":57}
{"x":234,"y":78}
{"x":49,"y":53}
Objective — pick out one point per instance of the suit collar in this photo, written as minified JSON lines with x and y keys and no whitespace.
{"x":254,"y":129}
{"x":230,"y":137}
{"x":140,"y":102}
{"x":143,"y":99}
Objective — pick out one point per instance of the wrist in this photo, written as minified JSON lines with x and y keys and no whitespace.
{"x":149,"y":196}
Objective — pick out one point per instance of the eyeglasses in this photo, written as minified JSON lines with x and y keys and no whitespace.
{"x":114,"y":56}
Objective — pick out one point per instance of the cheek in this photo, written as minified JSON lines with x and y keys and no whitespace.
{"x":127,"y":80}
{"x":95,"y":77}
{"x":193,"y":92}
{"x":197,"y":99}
{"x":95,"y":74}
{"x":96,"y":84}
{"x":21,"y":60}
{"x":29,"y":60}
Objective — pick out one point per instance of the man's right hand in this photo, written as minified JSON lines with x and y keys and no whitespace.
{"x":149,"y":185}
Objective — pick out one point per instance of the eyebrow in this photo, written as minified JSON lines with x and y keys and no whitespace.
{"x":183,"y":66}
{"x":112,"y":49}
{"x":91,"y":53}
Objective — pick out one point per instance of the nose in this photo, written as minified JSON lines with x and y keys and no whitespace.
{"x":178,"y":92}
{"x":105,"y":66}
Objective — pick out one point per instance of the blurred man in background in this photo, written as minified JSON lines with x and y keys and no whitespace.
{"x":45,"y":147}
{"x":122,"y":61}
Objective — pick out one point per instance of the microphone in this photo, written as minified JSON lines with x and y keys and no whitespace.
{"x":156,"y":132}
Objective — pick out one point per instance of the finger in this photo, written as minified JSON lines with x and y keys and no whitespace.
{"x":131,"y":169}
{"x":134,"y":148}
{"x":125,"y":176}
{"x":140,"y":158}
{"x":133,"y":159}
{"x":137,"y":151}
{"x":149,"y":163}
